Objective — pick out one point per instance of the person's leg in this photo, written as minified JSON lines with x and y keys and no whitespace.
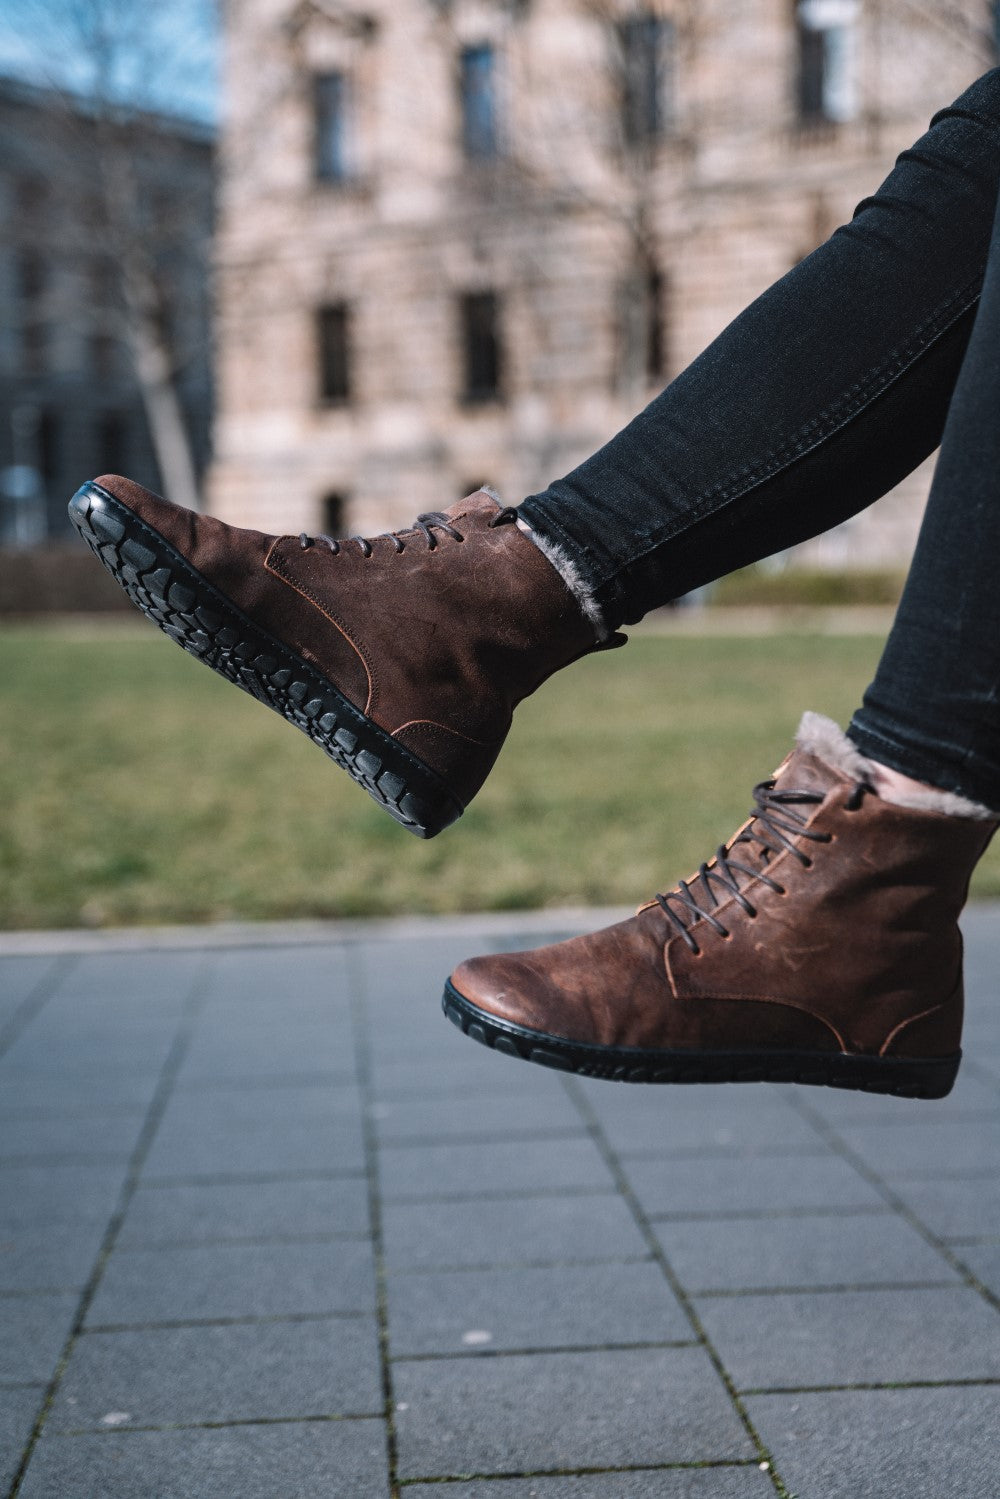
{"x":820,"y":397}
{"x":821,"y":943}
{"x":933,"y":710}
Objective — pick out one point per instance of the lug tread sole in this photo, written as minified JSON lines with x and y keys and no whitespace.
{"x":208,"y":625}
{"x":900,"y":1076}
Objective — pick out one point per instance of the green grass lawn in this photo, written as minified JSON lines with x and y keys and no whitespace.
{"x":138,"y":787}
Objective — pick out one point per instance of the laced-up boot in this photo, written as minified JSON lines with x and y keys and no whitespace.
{"x":402,"y":656}
{"x":819,"y":945}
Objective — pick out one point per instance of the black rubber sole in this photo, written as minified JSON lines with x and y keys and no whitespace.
{"x":900,"y":1076}
{"x":189,"y":609}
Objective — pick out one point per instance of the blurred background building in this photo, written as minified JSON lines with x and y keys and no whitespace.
{"x":104,"y":301}
{"x":463,"y":241}
{"x":456,"y":241}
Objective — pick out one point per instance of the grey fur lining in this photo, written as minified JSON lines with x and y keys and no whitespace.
{"x":820,"y":736}
{"x":570,"y":574}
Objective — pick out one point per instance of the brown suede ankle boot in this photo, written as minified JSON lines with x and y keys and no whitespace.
{"x":403,"y":657}
{"x":819,"y":945}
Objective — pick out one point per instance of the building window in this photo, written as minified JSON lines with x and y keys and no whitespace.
{"x":995,"y":27}
{"x":478,"y":84}
{"x":333,"y":326}
{"x":828,"y":73}
{"x":112,"y":443}
{"x":32,"y":279}
{"x":331,"y":119}
{"x":646,"y":45}
{"x":481,"y":346}
{"x":334,"y":511}
{"x":656,"y":312}
{"x":49,"y":446}
{"x":644,"y":326}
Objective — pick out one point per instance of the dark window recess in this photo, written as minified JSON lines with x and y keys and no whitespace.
{"x":827,"y":78}
{"x":478,"y":84}
{"x":812,"y":73}
{"x":334,"y":512}
{"x":103,"y":355}
{"x":49,"y":444}
{"x":646,"y":47}
{"x":112,"y":443}
{"x":334,"y":353}
{"x":481,"y":344}
{"x":331,"y":103}
{"x":656,"y":315}
{"x":34,"y":333}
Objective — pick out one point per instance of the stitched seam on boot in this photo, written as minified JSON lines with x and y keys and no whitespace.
{"x":910,"y":1020}
{"x":430,"y":723}
{"x":276,"y":570}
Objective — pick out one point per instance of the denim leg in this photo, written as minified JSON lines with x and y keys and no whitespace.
{"x":933,"y":710}
{"x":816,"y":400}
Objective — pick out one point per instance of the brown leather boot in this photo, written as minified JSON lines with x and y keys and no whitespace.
{"x":403,"y":657}
{"x":819,"y":945}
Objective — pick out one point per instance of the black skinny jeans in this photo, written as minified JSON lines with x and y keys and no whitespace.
{"x":822,"y":395}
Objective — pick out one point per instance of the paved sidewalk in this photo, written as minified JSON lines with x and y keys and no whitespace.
{"x":270,"y":1228}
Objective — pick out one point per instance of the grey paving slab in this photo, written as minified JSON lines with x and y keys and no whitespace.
{"x":505,"y":1166}
{"x":132,"y":983}
{"x":728,"y":1129}
{"x":970,"y":1097}
{"x":291,"y":979}
{"x":461,"y":1067}
{"x":233,"y":1373}
{"x":283,"y":1051}
{"x":307,"y":1129}
{"x":853,"y":1337}
{"x":244,"y":1210}
{"x":423,"y":1119}
{"x":142,"y":1286}
{"x":855,"y":1250}
{"x":883,"y":1444}
{"x":34,"y":1330}
{"x":519,"y":1230}
{"x":731,"y":1184}
{"x":58,"y":1258}
{"x":570,"y":1307}
{"x":984,"y":1261}
{"x":95,"y":1052}
{"x":563,"y":1410}
{"x":951,"y":1146}
{"x":24,"y":1095}
{"x":954,"y":1207}
{"x":100,"y":1136}
{"x":19,"y":978}
{"x":678,"y":1483}
{"x":338,"y":1459}
{"x":18,"y":1412}
{"x":32,"y":1197}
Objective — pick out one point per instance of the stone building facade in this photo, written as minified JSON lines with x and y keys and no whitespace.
{"x":464,"y":241}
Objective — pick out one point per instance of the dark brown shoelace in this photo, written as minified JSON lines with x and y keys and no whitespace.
{"x":774,"y":818}
{"x":426,"y":524}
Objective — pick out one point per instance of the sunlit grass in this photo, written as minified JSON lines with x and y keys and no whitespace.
{"x":138,"y":787}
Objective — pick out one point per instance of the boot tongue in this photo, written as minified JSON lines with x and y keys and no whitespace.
{"x":802,"y":770}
